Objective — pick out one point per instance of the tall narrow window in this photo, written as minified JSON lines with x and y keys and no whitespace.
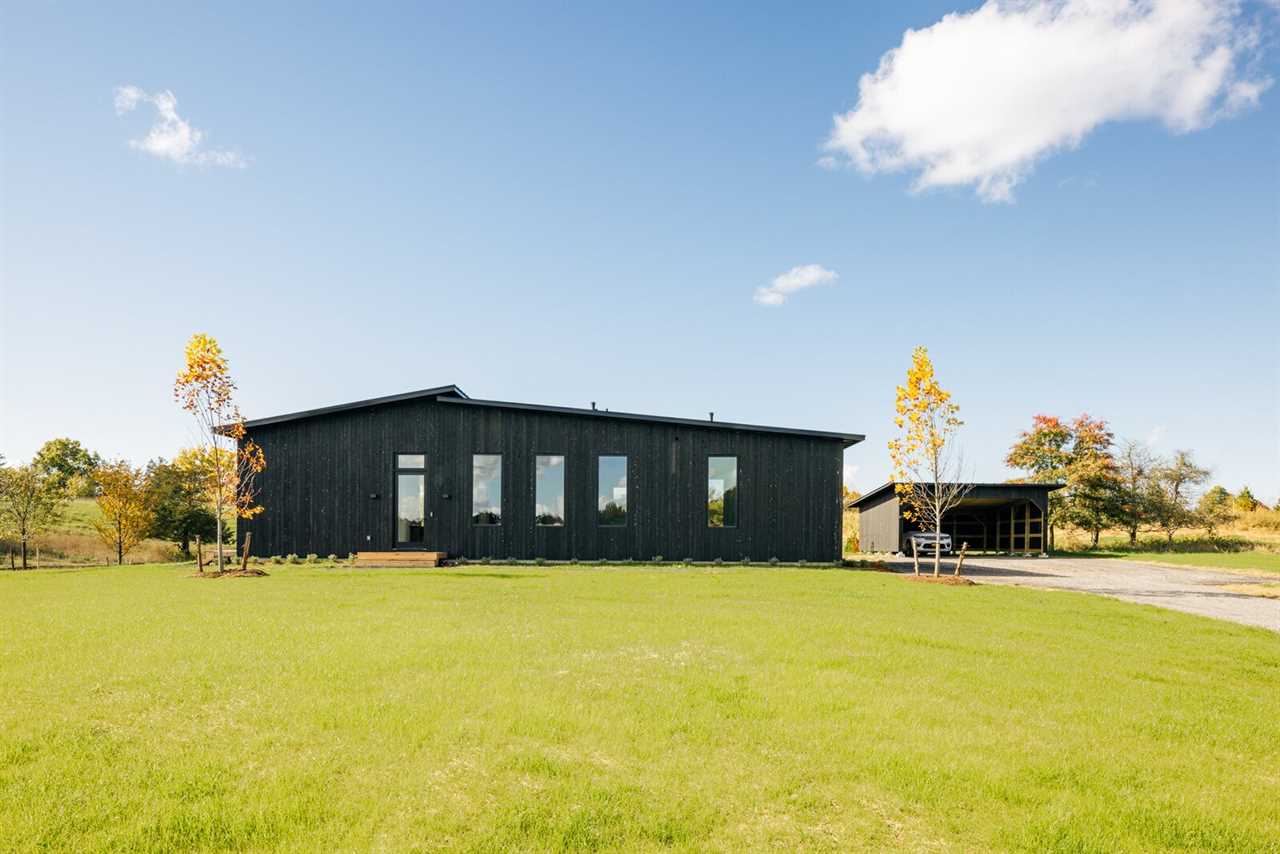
{"x":611,"y":498}
{"x":486,"y":489}
{"x":411,"y":499}
{"x":548,"y":495}
{"x":722,"y":492}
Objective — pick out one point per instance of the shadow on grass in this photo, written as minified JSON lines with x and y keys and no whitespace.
{"x":501,"y":575}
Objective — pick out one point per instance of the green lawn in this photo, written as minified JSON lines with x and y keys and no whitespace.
{"x":538,"y":708}
{"x":1259,"y":560}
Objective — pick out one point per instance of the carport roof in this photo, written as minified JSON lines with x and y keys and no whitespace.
{"x":1007,"y":487}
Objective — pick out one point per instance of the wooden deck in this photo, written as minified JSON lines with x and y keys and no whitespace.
{"x":405,"y":558}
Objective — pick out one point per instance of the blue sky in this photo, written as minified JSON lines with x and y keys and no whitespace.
{"x":579,"y":203}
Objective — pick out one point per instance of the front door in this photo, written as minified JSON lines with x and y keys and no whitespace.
{"x":411,"y":501}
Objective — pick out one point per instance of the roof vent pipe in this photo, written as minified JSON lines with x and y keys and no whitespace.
{"x":711,"y":416}
{"x":593,"y":406}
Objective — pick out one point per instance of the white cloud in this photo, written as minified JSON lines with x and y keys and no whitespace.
{"x":980,"y":97}
{"x":795,"y":279}
{"x":171,"y":137}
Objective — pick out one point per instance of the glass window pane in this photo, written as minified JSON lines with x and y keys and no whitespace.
{"x":611,"y":497}
{"x":486,"y":489}
{"x":722,"y":492}
{"x":411,"y":461}
{"x":549,"y":491}
{"x":411,"y":508}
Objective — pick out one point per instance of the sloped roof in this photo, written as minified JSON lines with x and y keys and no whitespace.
{"x":444,"y":391}
{"x":453,"y":394}
{"x":1012,"y":487}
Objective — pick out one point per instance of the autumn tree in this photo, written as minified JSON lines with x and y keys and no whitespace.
{"x":926,"y":463}
{"x":69,"y":462}
{"x":1174,"y":485}
{"x":31,"y":500}
{"x":205,"y":389}
{"x":1244,"y":502}
{"x":122,"y":500}
{"x":1044,"y":452}
{"x":1215,"y":509}
{"x":1092,"y":499}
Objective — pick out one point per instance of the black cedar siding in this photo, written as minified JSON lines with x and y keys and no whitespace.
{"x":322,"y":471}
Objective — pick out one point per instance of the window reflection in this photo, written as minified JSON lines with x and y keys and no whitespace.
{"x":486,"y":489}
{"x":611,"y":491}
{"x":722,"y":492}
{"x":411,"y":507}
{"x":411,"y":461}
{"x":549,"y":491}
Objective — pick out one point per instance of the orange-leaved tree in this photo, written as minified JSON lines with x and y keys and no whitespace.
{"x":123,"y":499}
{"x":229,"y":459}
{"x":926,"y":464}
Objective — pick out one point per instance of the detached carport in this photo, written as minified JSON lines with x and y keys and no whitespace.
{"x":1000,"y":517}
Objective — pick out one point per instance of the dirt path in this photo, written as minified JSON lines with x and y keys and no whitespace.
{"x":1196,"y":591}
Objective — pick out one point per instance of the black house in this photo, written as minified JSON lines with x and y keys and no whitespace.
{"x":435,"y":470}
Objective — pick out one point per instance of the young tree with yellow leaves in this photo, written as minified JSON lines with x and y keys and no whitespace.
{"x":229,"y":458}
{"x":926,"y":464}
{"x":123,"y":500}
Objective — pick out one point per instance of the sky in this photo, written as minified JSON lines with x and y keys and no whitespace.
{"x":756,"y":210}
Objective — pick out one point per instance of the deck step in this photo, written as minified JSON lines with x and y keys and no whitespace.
{"x":400,"y":558}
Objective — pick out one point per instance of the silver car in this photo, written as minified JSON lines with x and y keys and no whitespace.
{"x":927,"y":542}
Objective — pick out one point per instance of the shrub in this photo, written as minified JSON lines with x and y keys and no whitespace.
{"x":688,"y":561}
{"x":277,"y":559}
{"x":773,"y":561}
{"x":745,"y":560}
{"x":292,"y":559}
{"x":332,"y":558}
{"x":718,"y":561}
{"x":351,"y":556}
{"x":313,"y":558}
{"x":658,"y":558}
{"x":540,"y":562}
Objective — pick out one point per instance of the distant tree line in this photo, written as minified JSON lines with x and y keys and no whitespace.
{"x":1120,"y":484}
{"x":166,"y":500}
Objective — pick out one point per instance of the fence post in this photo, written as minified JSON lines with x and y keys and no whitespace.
{"x":199,"y":556}
{"x":964,"y":548}
{"x":244,"y":561}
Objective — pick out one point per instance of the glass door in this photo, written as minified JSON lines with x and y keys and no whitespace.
{"x":411,"y":501}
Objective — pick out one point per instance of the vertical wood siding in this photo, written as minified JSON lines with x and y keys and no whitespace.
{"x":880,"y":524}
{"x":323,"y":473}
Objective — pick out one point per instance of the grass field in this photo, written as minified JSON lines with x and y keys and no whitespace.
{"x":578,"y":708}
{"x":1255,"y":560}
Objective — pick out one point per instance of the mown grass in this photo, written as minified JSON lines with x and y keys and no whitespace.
{"x":551,"y":708}
{"x":1256,"y":560}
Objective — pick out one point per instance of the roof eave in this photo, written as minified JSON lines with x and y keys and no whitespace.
{"x":846,"y":439}
{"x":444,"y":392}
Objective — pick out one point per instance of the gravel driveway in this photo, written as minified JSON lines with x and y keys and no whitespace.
{"x":1196,"y":591}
